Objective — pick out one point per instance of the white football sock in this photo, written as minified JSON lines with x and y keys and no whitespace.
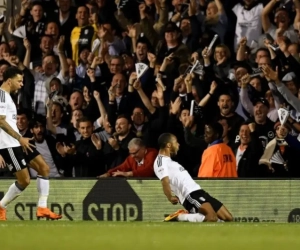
{"x":220,"y":220}
{"x":13,"y":192}
{"x":191,"y":217}
{"x":43,"y":189}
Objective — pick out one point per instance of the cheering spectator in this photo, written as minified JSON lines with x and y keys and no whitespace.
{"x":83,"y":35}
{"x":117,"y":148}
{"x":160,"y":67}
{"x":280,"y":154}
{"x":248,"y":152}
{"x":86,"y":152}
{"x":45,"y":145}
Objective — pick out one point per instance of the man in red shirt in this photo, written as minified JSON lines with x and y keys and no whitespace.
{"x":138,"y":164}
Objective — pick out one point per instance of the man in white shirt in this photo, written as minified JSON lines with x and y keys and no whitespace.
{"x":42,"y":80}
{"x":12,"y":145}
{"x":248,"y":22}
{"x":199,"y":205}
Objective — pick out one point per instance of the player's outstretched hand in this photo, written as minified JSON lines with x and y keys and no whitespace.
{"x":26,"y":145}
{"x":174,"y":200}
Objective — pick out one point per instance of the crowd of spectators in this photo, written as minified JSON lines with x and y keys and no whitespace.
{"x":92,"y":112}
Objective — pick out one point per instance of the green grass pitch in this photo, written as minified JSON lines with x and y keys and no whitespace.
{"x":61,"y":235}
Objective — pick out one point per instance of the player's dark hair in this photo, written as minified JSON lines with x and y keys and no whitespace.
{"x":11,"y":72}
{"x":164,"y":139}
{"x":217,"y":128}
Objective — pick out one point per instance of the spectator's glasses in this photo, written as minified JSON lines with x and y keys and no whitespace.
{"x":136,"y":152}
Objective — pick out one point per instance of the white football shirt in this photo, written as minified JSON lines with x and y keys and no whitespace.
{"x":248,"y":24}
{"x":181,"y":182}
{"x":9,"y":110}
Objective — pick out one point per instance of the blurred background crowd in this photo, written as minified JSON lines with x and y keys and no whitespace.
{"x":103,"y":79}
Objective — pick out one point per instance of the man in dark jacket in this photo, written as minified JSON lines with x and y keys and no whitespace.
{"x":86,"y":156}
{"x":248,"y":152}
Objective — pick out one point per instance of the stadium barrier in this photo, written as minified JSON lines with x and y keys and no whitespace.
{"x":143,"y":200}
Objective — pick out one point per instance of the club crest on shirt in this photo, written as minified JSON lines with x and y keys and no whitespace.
{"x":270,"y":134}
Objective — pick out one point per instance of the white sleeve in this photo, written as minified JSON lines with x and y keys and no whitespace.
{"x":161,"y":167}
{"x":97,"y":124}
{"x":64,"y":80}
{"x":3,"y":104}
{"x":237,"y":8}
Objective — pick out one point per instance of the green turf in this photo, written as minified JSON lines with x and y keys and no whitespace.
{"x":60,"y":235}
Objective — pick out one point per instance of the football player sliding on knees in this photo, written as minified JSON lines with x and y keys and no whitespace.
{"x":14,"y":148}
{"x":199,"y":205}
